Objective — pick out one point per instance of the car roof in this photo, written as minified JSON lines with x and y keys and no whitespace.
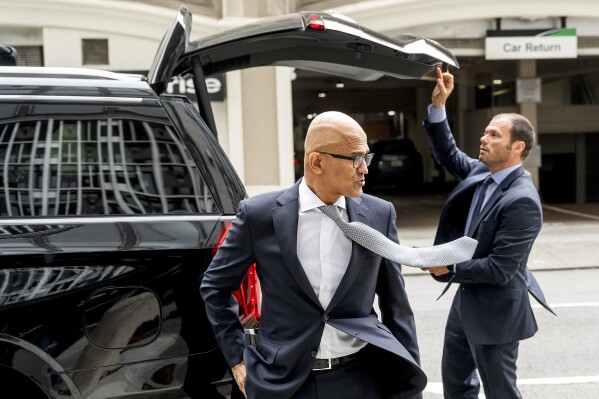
{"x":63,"y":82}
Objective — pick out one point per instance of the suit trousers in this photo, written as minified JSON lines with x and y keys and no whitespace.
{"x":496,"y":365}
{"x":353,"y":380}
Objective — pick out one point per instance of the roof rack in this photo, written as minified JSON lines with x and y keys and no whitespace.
{"x":72,"y":73}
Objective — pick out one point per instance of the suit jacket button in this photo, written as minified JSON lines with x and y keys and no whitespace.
{"x":313,"y":354}
{"x":325,"y":317}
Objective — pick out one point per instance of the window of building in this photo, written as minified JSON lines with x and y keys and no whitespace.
{"x":95,"y":51}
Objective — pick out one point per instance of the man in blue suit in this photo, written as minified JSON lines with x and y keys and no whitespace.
{"x":319,"y":336}
{"x":491,"y":310}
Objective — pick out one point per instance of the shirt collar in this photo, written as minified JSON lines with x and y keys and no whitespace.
{"x":308,"y":200}
{"x":499,"y":177}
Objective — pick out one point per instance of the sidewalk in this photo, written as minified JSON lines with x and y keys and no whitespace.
{"x":569,"y":237}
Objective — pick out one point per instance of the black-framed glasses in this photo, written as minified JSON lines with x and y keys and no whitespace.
{"x":357,"y":159}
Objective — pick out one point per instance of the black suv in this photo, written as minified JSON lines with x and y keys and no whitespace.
{"x":114,"y":197}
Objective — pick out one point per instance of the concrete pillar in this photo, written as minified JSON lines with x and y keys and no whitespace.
{"x":267,"y":128}
{"x":258,"y":118}
{"x":528,"y":69}
{"x":234,"y":8}
{"x":255,"y":127}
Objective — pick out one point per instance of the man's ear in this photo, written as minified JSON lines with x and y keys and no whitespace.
{"x":519,"y":146}
{"x":314,"y":162}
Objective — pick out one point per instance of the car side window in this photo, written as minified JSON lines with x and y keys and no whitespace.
{"x":114,"y":163}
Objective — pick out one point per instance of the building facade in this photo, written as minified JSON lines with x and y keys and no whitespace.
{"x":538,"y":58}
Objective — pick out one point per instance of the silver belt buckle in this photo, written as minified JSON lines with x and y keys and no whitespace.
{"x":329,"y":365}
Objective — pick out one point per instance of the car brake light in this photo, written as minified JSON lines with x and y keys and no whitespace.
{"x":316,"y":23}
{"x":248,"y":295}
{"x":221,"y":239}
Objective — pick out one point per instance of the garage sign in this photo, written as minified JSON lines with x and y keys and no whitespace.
{"x":531,"y":44}
{"x":184,"y":85}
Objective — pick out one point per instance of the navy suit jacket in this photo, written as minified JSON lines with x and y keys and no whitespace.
{"x":493,"y":295}
{"x":292,"y":319}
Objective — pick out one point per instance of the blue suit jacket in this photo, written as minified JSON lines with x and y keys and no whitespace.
{"x":292,"y":319}
{"x":493,"y":296}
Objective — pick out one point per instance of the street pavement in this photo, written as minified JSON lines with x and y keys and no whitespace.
{"x":561,"y":360}
{"x":569,"y":237}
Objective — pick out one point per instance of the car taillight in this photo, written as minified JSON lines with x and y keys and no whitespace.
{"x":223,"y":234}
{"x":248,"y":294}
{"x":316,"y":23}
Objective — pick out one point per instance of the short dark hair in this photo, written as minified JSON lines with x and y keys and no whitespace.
{"x":522,"y":130}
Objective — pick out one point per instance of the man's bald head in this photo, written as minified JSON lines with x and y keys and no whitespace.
{"x":332,"y":140}
{"x":332,"y":129}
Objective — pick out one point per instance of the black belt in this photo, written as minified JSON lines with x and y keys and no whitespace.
{"x":329,"y":364}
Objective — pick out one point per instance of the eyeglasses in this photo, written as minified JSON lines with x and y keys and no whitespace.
{"x":357,"y":159}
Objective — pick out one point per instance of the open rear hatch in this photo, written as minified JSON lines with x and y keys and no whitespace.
{"x":324,"y":42}
{"x":318,"y":41}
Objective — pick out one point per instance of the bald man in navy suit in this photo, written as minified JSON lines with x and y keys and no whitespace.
{"x":319,"y":336}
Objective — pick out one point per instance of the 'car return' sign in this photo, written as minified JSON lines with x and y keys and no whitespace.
{"x":531,"y":44}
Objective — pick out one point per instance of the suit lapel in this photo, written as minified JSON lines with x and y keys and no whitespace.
{"x":495,"y":197}
{"x":357,"y":211}
{"x":285,"y":219}
{"x":455,"y":210}
{"x":462,"y":189}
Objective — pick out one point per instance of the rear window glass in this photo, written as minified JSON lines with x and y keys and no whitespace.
{"x":112,"y":165}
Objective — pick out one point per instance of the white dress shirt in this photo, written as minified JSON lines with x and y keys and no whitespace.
{"x":324,"y":252}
